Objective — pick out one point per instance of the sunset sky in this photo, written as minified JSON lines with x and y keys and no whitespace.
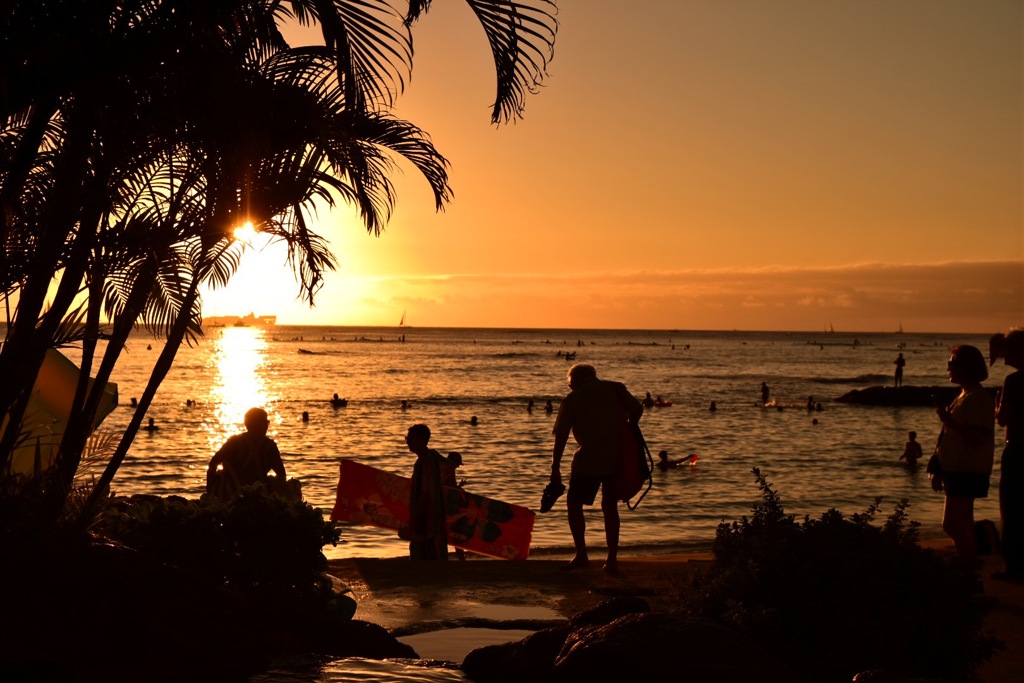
{"x":738,"y":164}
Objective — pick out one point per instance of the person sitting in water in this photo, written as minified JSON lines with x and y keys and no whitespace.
{"x":248,"y":458}
{"x":912,"y":451}
{"x":648,"y":401}
{"x":664,"y":463}
{"x":339,"y":402}
{"x":152,"y":426}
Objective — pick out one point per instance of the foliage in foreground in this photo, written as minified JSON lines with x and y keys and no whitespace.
{"x":259,"y":544}
{"x":196,"y":586}
{"x":835,"y":596}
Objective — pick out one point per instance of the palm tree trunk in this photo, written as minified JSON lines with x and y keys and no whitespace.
{"x":160,"y":370}
{"x":80,"y":422}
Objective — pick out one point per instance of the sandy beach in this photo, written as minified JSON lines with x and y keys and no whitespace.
{"x":525,"y":596}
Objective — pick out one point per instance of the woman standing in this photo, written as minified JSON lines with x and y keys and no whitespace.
{"x":1011,"y":482}
{"x":966,"y":447}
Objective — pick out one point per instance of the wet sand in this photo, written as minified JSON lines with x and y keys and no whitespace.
{"x":418,"y":598}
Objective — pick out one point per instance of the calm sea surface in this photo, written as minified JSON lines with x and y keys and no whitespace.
{"x":447,"y":376}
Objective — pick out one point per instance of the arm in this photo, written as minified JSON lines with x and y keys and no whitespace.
{"x":276,"y":464}
{"x":215,"y":462}
{"x":974,"y":419}
{"x":556,"y":457}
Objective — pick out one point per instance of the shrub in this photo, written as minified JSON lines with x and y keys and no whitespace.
{"x":835,"y":596}
{"x":258,"y":544}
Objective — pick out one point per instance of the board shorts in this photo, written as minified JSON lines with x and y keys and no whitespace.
{"x":966,"y":484}
{"x":583,"y":488}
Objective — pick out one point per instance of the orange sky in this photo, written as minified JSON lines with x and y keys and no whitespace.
{"x":704,"y":165}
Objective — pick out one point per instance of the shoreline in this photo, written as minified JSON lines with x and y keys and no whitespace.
{"x":535,"y":593}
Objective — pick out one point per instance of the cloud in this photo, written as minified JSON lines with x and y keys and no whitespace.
{"x":939,"y":297}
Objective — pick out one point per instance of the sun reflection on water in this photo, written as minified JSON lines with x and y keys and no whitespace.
{"x":239,"y":358}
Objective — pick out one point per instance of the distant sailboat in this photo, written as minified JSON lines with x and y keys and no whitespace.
{"x":401,"y":323}
{"x":900,"y":331}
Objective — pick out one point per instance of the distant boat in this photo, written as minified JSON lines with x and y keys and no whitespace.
{"x":401,"y":323}
{"x":251,"y":320}
{"x":900,"y":331}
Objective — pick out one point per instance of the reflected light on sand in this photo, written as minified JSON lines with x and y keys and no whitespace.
{"x":239,"y":355}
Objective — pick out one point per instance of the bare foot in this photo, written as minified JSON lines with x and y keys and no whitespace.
{"x":611,"y":568}
{"x":577,"y":562}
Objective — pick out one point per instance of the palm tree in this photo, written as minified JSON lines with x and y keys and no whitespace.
{"x":126,"y":166}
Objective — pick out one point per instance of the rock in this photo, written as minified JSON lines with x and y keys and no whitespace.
{"x":363,"y":639}
{"x":664,"y":647}
{"x":901,"y":396}
{"x":610,"y":610}
{"x":530,"y":659}
{"x":879,"y":676}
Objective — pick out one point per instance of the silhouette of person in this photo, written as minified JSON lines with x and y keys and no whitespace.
{"x":713,"y":407}
{"x":474,"y":421}
{"x":455,"y":458}
{"x":427,"y":532}
{"x":810,"y":403}
{"x":966,"y":447}
{"x":1010,"y":415}
{"x":664,"y":463}
{"x":765,"y":393}
{"x":996,"y":347}
{"x":912,"y":451}
{"x":337,"y":402}
{"x":529,"y":406}
{"x":548,"y":407}
{"x":648,"y":401}
{"x":152,"y":426}
{"x":246,"y":459}
{"x":898,"y":378}
{"x":595,"y":412}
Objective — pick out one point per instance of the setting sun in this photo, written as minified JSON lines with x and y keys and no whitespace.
{"x":245,"y":233}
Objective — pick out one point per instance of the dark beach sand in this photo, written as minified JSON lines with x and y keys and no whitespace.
{"x":409,"y":598}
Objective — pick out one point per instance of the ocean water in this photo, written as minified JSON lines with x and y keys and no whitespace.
{"x":446,"y":376}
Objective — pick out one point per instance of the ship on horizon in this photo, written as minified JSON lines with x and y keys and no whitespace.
{"x":251,"y":320}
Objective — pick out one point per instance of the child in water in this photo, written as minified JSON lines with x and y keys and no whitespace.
{"x":664,"y":463}
{"x":912,"y":451}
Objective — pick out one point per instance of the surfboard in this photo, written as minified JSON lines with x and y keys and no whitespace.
{"x":370,"y":496}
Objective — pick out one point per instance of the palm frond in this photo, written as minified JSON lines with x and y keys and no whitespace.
{"x":370,"y":43}
{"x":522,"y":40}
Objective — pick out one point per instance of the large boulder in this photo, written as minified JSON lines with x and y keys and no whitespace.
{"x":622,"y":638}
{"x":533,"y":657}
{"x":901,"y":396}
{"x":362,"y":639}
{"x":664,"y":647}
{"x":610,"y":610}
{"x":530,"y":659}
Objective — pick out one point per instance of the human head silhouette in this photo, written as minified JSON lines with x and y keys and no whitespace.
{"x":257,"y":421}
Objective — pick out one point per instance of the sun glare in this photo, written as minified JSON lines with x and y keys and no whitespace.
{"x":238,"y":355}
{"x":245,"y":233}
